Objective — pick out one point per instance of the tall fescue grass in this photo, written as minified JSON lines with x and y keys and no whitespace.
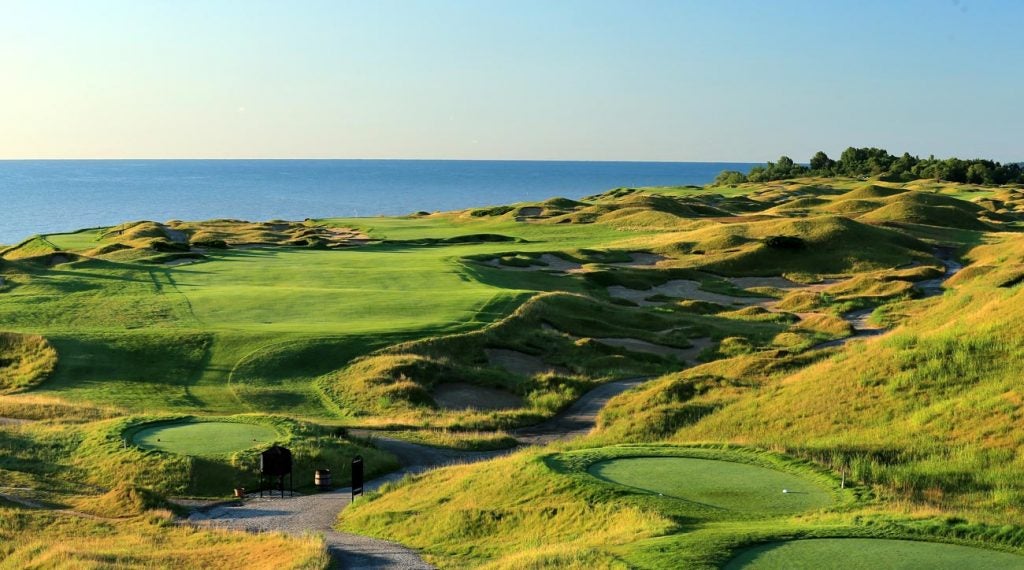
{"x":25,"y":360}
{"x":40,"y":539}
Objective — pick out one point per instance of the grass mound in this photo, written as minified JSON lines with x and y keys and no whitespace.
{"x":715,"y":484}
{"x":868,"y":554}
{"x":831,"y":244}
{"x":25,"y":361}
{"x":398,"y":381}
{"x":912,"y":210}
{"x":870,"y":191}
{"x":204,"y":438}
{"x":124,"y":500}
{"x":556,"y":510}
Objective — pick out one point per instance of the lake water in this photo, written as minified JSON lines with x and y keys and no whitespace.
{"x":40,"y":196}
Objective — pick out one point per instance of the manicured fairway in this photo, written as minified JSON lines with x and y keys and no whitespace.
{"x":721,"y":485}
{"x":866,"y":553}
{"x":204,"y":438}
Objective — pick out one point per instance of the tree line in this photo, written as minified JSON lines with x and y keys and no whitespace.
{"x":872,"y":162}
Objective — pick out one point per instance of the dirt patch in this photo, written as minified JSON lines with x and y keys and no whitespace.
{"x":461,"y":396}
{"x":681,"y":289}
{"x":637,"y":345}
{"x":554,"y":263}
{"x":519,"y":362}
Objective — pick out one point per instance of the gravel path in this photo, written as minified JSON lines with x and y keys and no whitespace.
{"x":579,"y":418}
{"x":859,"y":318}
{"x":314,"y":513}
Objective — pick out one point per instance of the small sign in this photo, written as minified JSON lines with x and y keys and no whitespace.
{"x":357,"y":476}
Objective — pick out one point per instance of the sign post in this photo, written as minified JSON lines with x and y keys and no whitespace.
{"x":357,"y":476}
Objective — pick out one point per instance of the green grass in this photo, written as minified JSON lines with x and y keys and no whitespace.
{"x":715,"y":484}
{"x":868,"y":554}
{"x":204,"y":438}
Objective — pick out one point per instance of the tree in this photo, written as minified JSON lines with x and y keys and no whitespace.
{"x":979,"y":173}
{"x":729,"y":178}
{"x":820,"y":162}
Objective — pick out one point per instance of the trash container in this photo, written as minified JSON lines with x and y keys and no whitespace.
{"x":322,"y":479}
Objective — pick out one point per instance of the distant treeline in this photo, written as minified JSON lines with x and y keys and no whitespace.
{"x":864,"y":162}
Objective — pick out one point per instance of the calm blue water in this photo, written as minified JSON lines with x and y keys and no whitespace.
{"x":51,"y":196}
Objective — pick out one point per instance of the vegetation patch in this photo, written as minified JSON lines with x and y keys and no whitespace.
{"x":25,"y":361}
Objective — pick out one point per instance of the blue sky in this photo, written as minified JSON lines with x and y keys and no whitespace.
{"x":718,"y":80}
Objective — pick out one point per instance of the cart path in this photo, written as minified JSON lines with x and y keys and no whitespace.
{"x":579,"y":418}
{"x":304,"y":514}
{"x":859,"y":319}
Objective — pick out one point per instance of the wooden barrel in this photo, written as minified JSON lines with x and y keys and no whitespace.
{"x":322,"y":479}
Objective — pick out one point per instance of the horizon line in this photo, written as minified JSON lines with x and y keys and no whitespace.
{"x":101,"y":159}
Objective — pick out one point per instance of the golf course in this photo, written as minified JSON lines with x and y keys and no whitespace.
{"x":809,"y":372}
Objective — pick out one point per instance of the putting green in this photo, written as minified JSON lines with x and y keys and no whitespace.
{"x":868,"y":553}
{"x":719,"y":485}
{"x":204,"y":438}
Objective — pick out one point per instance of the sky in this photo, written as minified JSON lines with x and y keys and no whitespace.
{"x":674,"y":80}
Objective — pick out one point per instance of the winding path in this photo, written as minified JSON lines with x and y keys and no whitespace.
{"x":859,"y":318}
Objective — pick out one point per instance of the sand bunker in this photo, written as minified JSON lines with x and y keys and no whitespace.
{"x":554,"y":263}
{"x":461,"y":396}
{"x":682,"y":289}
{"x":781,"y":283}
{"x":529,"y":213}
{"x":519,"y":362}
{"x":641,"y":259}
{"x":637,"y":345}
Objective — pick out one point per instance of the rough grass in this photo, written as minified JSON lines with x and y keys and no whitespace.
{"x":926,"y":413}
{"x":466,"y":516}
{"x":124,"y":500}
{"x":25,"y":361}
{"x":41,"y":539}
